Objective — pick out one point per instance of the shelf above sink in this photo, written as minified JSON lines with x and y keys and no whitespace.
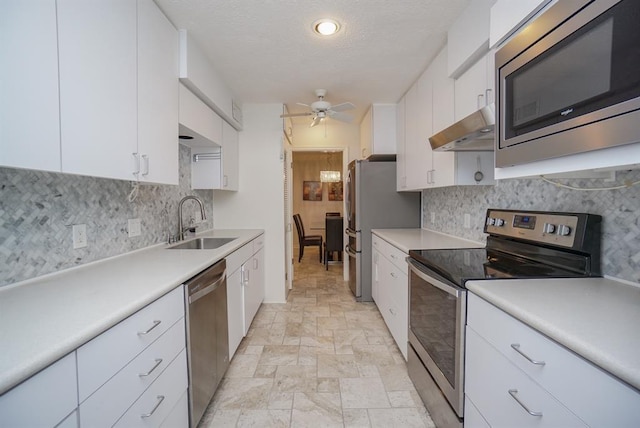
{"x":202,"y":244}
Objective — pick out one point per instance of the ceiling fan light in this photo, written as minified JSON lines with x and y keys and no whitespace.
{"x":326,"y":27}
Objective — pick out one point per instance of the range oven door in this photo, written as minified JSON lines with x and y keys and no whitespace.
{"x":437,"y":317}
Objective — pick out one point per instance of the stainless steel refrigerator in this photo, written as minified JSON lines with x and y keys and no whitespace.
{"x":373,"y":203}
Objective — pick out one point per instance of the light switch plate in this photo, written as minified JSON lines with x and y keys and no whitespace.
{"x":433,"y":218}
{"x":134,"y":227}
{"x":79,"y":232}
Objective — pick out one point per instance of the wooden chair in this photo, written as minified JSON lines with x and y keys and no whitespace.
{"x":334,"y":241}
{"x":305,"y":240}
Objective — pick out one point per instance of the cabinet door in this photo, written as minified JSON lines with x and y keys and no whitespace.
{"x":366,"y":137}
{"x":401,"y":157}
{"x":420,"y":156}
{"x":443,"y":116}
{"x":29,"y":101}
{"x":230,"y":157}
{"x":157,"y":95}
{"x":235,"y":311}
{"x":254,"y":287}
{"x":417,"y":154}
{"x":44,"y":399}
{"x":468,"y":37}
{"x":98,"y":87}
{"x":470,"y":89}
{"x":375,"y":274}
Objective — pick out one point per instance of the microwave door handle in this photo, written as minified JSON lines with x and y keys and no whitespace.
{"x":450,"y":289}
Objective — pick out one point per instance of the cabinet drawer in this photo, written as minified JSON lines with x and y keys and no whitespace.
{"x":391,"y":253}
{"x":44,"y":399}
{"x":179,"y":416}
{"x":472,"y":416}
{"x":489,"y":379}
{"x":157,"y":402}
{"x":108,"y":403}
{"x":258,"y":243}
{"x":104,"y":356}
{"x":238,"y":257}
{"x":606,"y":401}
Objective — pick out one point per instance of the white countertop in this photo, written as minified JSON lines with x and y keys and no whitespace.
{"x":423,"y":239}
{"x":45,"y":318}
{"x":597,"y":318}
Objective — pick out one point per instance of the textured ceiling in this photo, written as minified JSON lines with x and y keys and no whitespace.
{"x":266,"y":50}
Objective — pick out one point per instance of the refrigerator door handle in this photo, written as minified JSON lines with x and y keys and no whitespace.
{"x":352,"y":233}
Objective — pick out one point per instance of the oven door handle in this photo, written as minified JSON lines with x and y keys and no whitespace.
{"x":447,"y":288}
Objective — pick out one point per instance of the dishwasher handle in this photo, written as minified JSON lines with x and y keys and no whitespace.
{"x":208,"y":289}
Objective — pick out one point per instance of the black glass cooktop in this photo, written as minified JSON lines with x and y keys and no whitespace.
{"x":461,"y":265}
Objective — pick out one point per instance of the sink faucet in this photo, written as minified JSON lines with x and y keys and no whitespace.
{"x":182,"y":229}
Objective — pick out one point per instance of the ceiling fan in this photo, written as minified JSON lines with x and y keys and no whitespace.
{"x":322,"y":109}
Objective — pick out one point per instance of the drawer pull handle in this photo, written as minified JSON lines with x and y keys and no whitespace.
{"x":513,"y":392}
{"x":160,"y":400}
{"x":516,"y":347}
{"x":155,"y":366}
{"x":392,"y":312}
{"x":393,"y":275}
{"x":155,"y":324}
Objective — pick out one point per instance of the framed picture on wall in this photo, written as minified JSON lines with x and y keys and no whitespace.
{"x":335,"y":191}
{"x":311,"y":191}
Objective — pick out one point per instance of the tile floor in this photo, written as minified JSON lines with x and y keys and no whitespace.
{"x":320,"y":360}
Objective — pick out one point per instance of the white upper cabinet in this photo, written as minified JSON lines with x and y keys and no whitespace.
{"x":199,"y":75}
{"x":29,"y":107}
{"x":418,"y":151}
{"x":401,"y":157}
{"x":378,"y":130}
{"x":508,"y":17}
{"x":230,"y":158}
{"x":198,"y":121}
{"x":157,"y":95}
{"x":98,"y":87}
{"x":474,"y":89}
{"x":468,"y":37}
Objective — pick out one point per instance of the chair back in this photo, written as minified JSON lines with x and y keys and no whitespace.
{"x":299,"y":227}
{"x":332,"y":214}
{"x":334,"y":233}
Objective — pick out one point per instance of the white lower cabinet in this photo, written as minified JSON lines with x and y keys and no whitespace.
{"x":45,"y":399}
{"x":245,"y":289}
{"x":157,"y":402}
{"x":515,"y":376}
{"x":138,"y":363}
{"x":390,"y":289}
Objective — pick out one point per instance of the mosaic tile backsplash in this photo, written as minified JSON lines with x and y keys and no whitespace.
{"x":620,"y":210}
{"x":37,"y":210}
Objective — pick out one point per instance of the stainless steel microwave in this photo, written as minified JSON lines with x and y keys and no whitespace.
{"x":569,"y":82}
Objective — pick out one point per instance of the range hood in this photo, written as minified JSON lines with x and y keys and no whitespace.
{"x":473,"y":133}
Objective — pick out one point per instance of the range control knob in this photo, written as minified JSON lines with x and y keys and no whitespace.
{"x":549,"y":228}
{"x":564,"y":230}
{"x":491,"y":221}
{"x":499,"y":222}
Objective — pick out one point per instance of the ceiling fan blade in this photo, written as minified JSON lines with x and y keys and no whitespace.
{"x":303,"y":104}
{"x":343,"y":117}
{"x":296,"y":114}
{"x":316,"y":120}
{"x":343,"y":107}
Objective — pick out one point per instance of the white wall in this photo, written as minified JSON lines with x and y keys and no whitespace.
{"x":259,"y":203}
{"x":336,"y":134}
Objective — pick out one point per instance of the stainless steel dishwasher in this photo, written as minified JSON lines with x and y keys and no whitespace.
{"x":207,"y":336}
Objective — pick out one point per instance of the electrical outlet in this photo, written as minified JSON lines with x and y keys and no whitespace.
{"x":467,"y":221}
{"x":134,"y":227}
{"x":433,"y":218}
{"x":79,"y":232}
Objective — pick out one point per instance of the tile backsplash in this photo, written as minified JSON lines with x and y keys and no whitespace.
{"x":620,"y":210}
{"x":37,"y":210}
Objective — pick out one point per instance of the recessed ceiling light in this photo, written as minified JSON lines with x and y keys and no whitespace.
{"x":326,"y":26}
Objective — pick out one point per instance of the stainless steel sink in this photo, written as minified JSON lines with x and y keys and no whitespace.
{"x":202,"y":244}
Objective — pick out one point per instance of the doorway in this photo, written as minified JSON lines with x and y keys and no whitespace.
{"x":307,"y":195}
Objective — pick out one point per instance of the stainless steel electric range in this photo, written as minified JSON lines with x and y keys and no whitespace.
{"x":521,"y":244}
